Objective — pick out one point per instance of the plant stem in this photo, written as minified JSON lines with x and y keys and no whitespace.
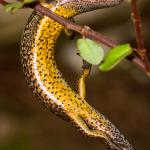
{"x":142,"y":52}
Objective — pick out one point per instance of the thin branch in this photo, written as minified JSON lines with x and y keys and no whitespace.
{"x":140,"y":42}
{"x":83,"y":30}
{"x":86,"y":31}
{"x":3,"y":2}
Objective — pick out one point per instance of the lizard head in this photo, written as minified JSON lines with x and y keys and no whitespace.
{"x":86,"y":5}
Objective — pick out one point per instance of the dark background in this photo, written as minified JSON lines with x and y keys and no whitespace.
{"x":122,"y":94}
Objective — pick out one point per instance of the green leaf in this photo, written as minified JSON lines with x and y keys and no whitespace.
{"x":29,"y":1}
{"x":90,"y":51}
{"x":114,"y":56}
{"x":12,"y":7}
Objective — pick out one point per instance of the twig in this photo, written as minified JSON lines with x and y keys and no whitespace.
{"x":3,"y":2}
{"x":142,"y":52}
{"x":86,"y":31}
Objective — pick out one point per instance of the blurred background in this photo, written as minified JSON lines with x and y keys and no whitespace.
{"x":122,"y":94}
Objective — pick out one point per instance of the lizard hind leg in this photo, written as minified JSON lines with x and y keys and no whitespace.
{"x":81,"y":84}
{"x":108,"y":133}
{"x":87,"y":129}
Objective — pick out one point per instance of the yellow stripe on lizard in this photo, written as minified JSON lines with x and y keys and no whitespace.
{"x":44,"y":78}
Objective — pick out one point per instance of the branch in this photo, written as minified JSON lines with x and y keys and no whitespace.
{"x":85,"y":31}
{"x":3,"y":2}
{"x":142,"y":52}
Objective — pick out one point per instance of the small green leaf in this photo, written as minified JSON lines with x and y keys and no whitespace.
{"x":29,"y":1}
{"x":90,"y":51}
{"x":12,"y":7}
{"x":114,"y":56}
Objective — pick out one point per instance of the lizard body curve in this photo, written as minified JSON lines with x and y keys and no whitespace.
{"x":45,"y":79}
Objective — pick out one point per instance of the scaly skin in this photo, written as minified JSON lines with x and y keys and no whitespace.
{"x":46,"y":81}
